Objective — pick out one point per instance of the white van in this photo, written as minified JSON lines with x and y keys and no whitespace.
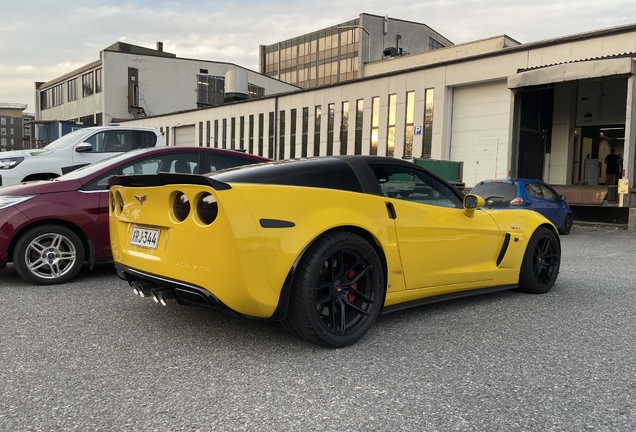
{"x":74,"y":150}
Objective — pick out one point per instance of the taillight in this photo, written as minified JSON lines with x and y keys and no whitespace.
{"x":517,"y":201}
{"x":181,"y":206}
{"x":207,"y":208}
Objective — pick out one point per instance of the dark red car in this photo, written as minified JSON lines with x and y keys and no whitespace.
{"x":50,"y":228}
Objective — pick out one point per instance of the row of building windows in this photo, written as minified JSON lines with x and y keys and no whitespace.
{"x":3,"y":120}
{"x":311,"y":147}
{"x":54,"y":96}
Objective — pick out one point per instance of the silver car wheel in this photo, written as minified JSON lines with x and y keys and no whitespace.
{"x":50,"y":256}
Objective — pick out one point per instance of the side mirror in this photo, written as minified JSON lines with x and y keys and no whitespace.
{"x":84,"y":147}
{"x":562,"y":197}
{"x":472,"y":203}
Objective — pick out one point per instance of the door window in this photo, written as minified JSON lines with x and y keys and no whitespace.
{"x":414,"y":185}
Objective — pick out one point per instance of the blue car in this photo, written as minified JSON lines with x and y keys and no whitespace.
{"x":527,"y":194}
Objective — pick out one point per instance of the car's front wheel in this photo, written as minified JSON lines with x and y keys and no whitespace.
{"x":567,"y":225}
{"x":338,"y":291}
{"x":49,"y":254}
{"x":541,"y":262}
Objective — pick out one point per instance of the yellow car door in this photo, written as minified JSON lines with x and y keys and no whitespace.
{"x":439,"y":244}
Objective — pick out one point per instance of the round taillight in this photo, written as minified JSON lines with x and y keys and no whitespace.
{"x":112,"y":202}
{"x":207,"y":208}
{"x":121,"y":202}
{"x":181,"y":206}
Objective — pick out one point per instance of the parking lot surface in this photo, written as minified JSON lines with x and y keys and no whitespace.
{"x":90,"y":355}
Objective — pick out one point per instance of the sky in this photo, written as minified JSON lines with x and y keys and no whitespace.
{"x":44,"y":39}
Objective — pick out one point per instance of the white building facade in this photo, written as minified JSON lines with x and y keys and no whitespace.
{"x":505,"y":109}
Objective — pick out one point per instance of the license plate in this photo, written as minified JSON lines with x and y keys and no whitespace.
{"x":145,"y":237}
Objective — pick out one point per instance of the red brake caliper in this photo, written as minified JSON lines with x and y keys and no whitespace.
{"x":350,"y":296}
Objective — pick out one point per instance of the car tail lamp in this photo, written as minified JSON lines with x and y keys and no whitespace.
{"x":207,"y":208}
{"x":181,"y":206}
{"x":516,"y":202}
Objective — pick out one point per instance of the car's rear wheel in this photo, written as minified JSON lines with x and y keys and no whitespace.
{"x":567,"y":225}
{"x":541,"y":262}
{"x":338,"y":291}
{"x":49,"y":254}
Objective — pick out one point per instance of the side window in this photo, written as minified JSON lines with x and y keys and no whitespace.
{"x":111,"y":141}
{"x":100,"y":183}
{"x":548,"y":193}
{"x":219,"y":162}
{"x":144,"y":139}
{"x":414,"y":185}
{"x":534,"y":189}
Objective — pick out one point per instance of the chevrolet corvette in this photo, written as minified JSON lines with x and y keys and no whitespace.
{"x":319,"y":244}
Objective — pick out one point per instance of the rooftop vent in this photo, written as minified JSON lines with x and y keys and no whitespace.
{"x":159,"y":46}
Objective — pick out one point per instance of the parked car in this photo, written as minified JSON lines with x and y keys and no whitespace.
{"x":50,"y":228}
{"x":74,"y":150}
{"x":319,"y":244}
{"x":527,"y":194}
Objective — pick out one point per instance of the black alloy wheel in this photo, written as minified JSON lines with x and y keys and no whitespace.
{"x":338,"y":291}
{"x":541,"y":262}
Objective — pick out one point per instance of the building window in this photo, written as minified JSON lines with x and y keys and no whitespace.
{"x":98,"y":81}
{"x":303,"y":148}
{"x":233,"y":133}
{"x":281,"y":136}
{"x":3,"y":120}
{"x":427,"y":139}
{"x":375,"y":125}
{"x":344,"y":128}
{"x":330,"y":126}
{"x":433,"y":44}
{"x":99,"y":119}
{"x":72,"y":89}
{"x":216,"y":133}
{"x":408,"y":129}
{"x":359,"y":124}
{"x":3,"y":131}
{"x":317,"y":122}
{"x":51,"y":97}
{"x":292,"y":134}
{"x":261,"y":132}
{"x":250,"y":141}
{"x":242,"y":132}
{"x":270,"y":142}
{"x":224,"y":134}
{"x":207,"y":133}
{"x":200,"y":134}
{"x":167,"y":135}
{"x":390,"y":131}
{"x":88,"y":84}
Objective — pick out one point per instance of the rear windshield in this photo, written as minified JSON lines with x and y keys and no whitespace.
{"x":496,"y":194}
{"x":329,"y":173}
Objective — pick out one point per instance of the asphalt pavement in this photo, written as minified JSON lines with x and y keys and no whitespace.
{"x":89,"y":355}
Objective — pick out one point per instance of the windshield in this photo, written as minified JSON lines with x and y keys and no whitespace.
{"x":68,"y":139}
{"x":94,"y":167}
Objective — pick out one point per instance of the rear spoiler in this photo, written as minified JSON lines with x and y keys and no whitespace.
{"x":163,"y":179}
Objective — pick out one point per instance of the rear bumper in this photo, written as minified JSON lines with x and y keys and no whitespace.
{"x":184,"y":294}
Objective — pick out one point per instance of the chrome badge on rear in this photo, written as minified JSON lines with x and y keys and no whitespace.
{"x":141,"y":199}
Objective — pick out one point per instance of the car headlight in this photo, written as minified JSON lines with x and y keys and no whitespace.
{"x":12,"y":162}
{"x":11,"y":200}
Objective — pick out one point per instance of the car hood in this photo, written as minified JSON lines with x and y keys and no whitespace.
{"x":23,"y":153}
{"x":41,"y":187}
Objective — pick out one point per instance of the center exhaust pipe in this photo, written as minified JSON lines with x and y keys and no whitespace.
{"x":142,"y":289}
{"x":162,"y":296}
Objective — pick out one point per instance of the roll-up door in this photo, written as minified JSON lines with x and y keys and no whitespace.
{"x":480,"y":130}
{"x":184,"y":136}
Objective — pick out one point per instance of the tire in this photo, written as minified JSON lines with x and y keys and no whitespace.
{"x":338,"y":291}
{"x":49,"y":254}
{"x":567,"y":225}
{"x":541,"y":262}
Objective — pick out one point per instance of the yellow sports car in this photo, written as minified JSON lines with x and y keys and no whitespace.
{"x":319,"y":245}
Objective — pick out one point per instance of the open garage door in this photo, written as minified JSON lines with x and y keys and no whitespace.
{"x":184,"y":136}
{"x":480,"y":130}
